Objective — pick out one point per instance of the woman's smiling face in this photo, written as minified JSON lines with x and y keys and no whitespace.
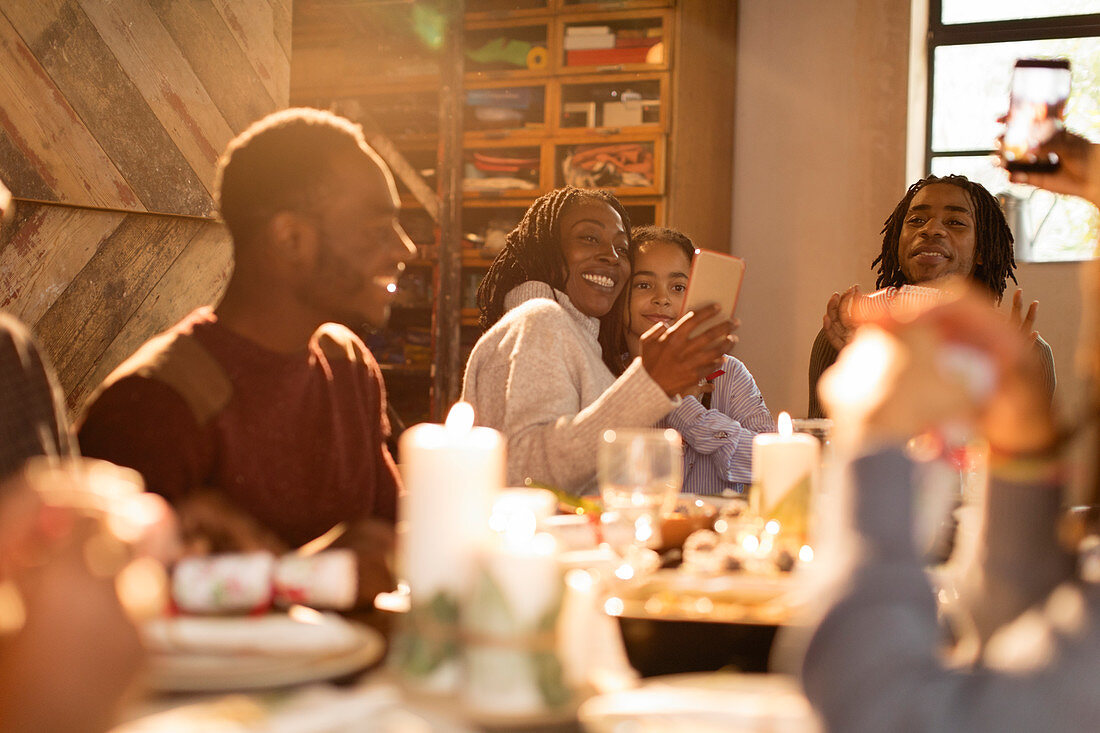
{"x":594,"y":244}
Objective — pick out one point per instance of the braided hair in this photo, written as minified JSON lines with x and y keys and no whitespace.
{"x":532,"y":251}
{"x":992,"y":238}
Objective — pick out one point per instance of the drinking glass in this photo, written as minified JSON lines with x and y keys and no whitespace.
{"x":640,"y":476}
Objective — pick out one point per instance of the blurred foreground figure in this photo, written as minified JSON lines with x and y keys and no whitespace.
{"x":68,"y":651}
{"x":875,"y":662}
{"x":32,"y":411}
{"x":32,"y":414}
{"x":263,"y":420}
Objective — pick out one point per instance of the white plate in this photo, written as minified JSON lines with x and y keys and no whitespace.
{"x":701,"y":703}
{"x":209,"y":671}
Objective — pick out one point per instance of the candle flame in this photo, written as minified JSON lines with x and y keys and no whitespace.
{"x":461,"y":418}
{"x":786,"y":428}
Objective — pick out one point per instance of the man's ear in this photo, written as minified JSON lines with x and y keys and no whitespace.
{"x":293,"y":237}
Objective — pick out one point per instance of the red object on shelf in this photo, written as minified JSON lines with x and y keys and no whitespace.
{"x":607,"y":56}
{"x":622,"y":41}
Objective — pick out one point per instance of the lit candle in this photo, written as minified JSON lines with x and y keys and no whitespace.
{"x":509,"y":503}
{"x":784,"y":474}
{"x":452,"y":473}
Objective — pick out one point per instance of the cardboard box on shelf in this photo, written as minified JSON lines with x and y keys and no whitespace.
{"x":587,"y":110}
{"x":628,"y":113}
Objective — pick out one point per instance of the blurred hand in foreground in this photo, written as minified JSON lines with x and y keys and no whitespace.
{"x":68,"y":650}
{"x":957,"y":362}
{"x":1078,"y":173}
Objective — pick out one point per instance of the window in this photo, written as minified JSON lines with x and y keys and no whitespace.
{"x":972,"y":46}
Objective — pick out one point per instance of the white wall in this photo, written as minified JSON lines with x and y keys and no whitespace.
{"x":819,"y":161}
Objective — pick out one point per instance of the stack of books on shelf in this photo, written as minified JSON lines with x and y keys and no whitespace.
{"x":599,"y":45}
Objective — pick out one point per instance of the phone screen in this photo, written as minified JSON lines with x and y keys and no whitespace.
{"x":1040,"y":89}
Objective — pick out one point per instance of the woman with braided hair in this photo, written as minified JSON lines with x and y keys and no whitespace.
{"x":943,"y":226}
{"x":538,"y":373}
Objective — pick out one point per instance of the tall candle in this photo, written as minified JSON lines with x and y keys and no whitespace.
{"x":512,"y":668}
{"x":782,"y":462}
{"x":452,"y":474}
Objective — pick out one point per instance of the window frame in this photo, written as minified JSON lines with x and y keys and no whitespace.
{"x":994,"y":31}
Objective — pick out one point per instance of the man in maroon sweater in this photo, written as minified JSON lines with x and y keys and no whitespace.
{"x":263,"y":420}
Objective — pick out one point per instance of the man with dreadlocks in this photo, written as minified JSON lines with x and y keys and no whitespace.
{"x":876,"y":661}
{"x":538,"y":373}
{"x":941,"y":227}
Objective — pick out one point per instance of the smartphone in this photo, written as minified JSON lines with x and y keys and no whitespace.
{"x":1040,"y":88}
{"x":715,"y":277}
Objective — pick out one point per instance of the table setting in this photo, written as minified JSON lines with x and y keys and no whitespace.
{"x":519,"y":608}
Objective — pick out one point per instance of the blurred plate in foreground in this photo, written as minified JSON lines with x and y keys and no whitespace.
{"x":193,"y":654}
{"x":702,"y":703}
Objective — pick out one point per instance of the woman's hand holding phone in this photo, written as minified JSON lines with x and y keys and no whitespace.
{"x":677,"y":361}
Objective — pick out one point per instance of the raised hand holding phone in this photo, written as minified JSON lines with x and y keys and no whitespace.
{"x":676,"y":360}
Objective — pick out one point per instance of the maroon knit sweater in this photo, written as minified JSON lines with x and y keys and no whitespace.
{"x":296,"y":440}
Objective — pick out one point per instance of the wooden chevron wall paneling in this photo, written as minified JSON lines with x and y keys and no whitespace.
{"x":112,"y":117}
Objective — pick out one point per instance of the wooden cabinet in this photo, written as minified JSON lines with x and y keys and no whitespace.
{"x":554,"y":92}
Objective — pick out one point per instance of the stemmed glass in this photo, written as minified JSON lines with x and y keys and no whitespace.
{"x":640,"y":476}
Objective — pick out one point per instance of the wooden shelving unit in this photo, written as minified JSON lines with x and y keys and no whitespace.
{"x":601,"y":116}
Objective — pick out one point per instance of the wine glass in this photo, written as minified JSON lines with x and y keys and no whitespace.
{"x":640,"y":476}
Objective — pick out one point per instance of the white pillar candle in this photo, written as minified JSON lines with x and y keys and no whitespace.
{"x":781,"y":462}
{"x":511,"y":503}
{"x":511,"y":623}
{"x":452,"y":473}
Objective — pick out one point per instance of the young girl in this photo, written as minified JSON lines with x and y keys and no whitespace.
{"x":538,"y":375}
{"x":718,"y":419}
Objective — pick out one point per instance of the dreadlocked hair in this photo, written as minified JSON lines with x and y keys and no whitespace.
{"x":992,"y":238}
{"x":532,"y":251}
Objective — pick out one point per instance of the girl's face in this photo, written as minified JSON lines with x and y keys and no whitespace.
{"x":657,"y":289}
{"x":594,"y":243}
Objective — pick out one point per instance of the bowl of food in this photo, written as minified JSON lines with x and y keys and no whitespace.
{"x":690,"y":513}
{"x":674,"y":621}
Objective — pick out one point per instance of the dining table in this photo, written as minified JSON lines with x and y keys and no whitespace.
{"x":197,"y":693}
